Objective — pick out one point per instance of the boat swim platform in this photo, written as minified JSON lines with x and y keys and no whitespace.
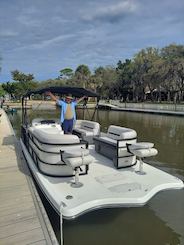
{"x":23,"y":219}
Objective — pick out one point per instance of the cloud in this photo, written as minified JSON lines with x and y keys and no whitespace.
{"x":8,"y":33}
{"x":29,"y":17}
{"x":53,"y":40}
{"x":28,"y":21}
{"x":46,"y":43}
{"x":111,"y":12}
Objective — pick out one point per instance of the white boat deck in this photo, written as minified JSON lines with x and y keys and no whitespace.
{"x":104,"y":186}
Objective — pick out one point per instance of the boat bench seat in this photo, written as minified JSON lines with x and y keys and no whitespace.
{"x":114,"y":145}
{"x":86,"y":130}
{"x":45,"y":145}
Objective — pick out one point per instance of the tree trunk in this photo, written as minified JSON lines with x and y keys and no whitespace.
{"x":168,"y":96}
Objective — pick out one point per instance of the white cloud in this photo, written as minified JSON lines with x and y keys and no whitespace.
{"x":29,"y":17}
{"x":52,"y":41}
{"x":8,"y":33}
{"x":46,"y":43}
{"x":28,"y":21}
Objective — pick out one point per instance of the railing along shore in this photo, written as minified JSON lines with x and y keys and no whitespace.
{"x":146,"y":105}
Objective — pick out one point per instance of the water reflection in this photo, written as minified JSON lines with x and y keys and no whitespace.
{"x":123,"y":226}
{"x":162,"y":220}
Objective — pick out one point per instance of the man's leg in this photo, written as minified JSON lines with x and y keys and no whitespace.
{"x":70,"y":126}
{"x":65,"y":126}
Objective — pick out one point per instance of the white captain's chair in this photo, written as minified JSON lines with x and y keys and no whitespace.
{"x":142,"y":150}
{"x":75,"y":159}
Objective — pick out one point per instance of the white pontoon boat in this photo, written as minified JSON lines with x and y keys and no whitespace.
{"x":89,"y":169}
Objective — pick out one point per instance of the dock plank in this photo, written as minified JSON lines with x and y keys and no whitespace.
{"x":26,"y":237}
{"x":17,"y":201}
{"x":21,"y":221}
{"x":16,"y":209}
{"x":17,"y":217}
{"x":19,"y":227}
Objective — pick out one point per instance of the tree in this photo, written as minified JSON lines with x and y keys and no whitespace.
{"x":2,"y":91}
{"x":143,"y":62}
{"x":82,"y":75}
{"x":108,"y":82}
{"x":125,"y":76}
{"x":173,"y":56}
{"x":24,"y":82}
{"x":9,"y":88}
{"x":172,"y":51}
{"x":66,"y":73}
{"x":97,"y":79}
{"x":51,"y":82}
{"x":21,"y":77}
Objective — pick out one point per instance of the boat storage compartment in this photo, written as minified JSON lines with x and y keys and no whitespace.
{"x":86,"y":130}
{"x":113,"y":145}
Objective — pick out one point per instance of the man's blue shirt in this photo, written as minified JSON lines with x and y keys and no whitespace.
{"x":63,"y":105}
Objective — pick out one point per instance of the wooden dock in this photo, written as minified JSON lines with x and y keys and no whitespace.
{"x":23,"y":219}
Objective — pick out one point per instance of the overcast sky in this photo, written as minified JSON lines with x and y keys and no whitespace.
{"x":45,"y":36}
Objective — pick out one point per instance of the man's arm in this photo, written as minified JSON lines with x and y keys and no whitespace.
{"x":51,"y":95}
{"x":82,"y":98}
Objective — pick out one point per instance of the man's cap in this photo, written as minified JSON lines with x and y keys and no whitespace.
{"x":69,"y":97}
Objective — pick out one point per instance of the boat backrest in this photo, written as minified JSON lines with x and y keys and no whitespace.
{"x":121,"y":133}
{"x":91,"y":126}
{"x":78,"y":123}
{"x":42,"y":121}
{"x":88,"y":126}
{"x":54,"y":136}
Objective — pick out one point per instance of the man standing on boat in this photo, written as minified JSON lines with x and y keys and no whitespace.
{"x":68,"y":114}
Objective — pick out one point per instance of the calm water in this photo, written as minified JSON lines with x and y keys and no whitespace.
{"x":161,"y":221}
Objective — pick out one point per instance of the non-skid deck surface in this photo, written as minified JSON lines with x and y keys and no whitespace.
{"x":19,"y":222}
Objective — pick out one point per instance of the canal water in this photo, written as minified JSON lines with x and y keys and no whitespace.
{"x":161,"y":221}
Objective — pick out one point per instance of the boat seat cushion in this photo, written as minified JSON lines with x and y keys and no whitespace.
{"x":84,"y":132}
{"x":40,"y":121}
{"x":108,"y":140}
{"x":121,"y":133}
{"x":75,"y":153}
{"x":141,"y":145}
{"x":143,"y":149}
{"x":84,"y":126}
{"x":77,"y":158}
{"x":54,"y":136}
{"x":147,"y":152}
